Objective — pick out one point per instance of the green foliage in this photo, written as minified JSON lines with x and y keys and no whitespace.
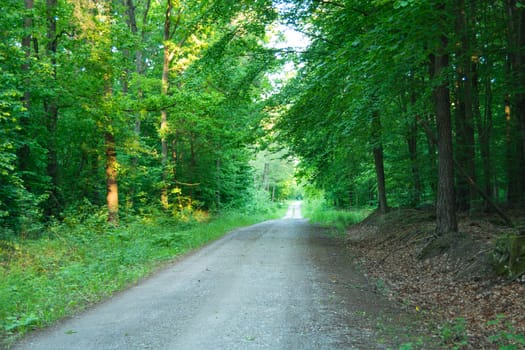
{"x":101,"y":75}
{"x":506,"y":338}
{"x":274,"y":173}
{"x":319,"y":211}
{"x":375,"y":57}
{"x":454,"y":334}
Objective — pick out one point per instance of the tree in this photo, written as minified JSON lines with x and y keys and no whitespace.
{"x":413,"y":66}
{"x":445,"y":202}
{"x":515,"y":105}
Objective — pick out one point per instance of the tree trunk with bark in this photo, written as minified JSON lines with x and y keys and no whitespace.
{"x":414,"y":167}
{"x":266,"y":177}
{"x":484,"y":128}
{"x":378,"y":161}
{"x":23,"y":153}
{"x":218,"y":183}
{"x":464,"y":109}
{"x":112,"y":200}
{"x":515,"y":106}
{"x":139,"y":64}
{"x":54,"y":202}
{"x":111,"y":177}
{"x":164,"y":113}
{"x":446,"y":220}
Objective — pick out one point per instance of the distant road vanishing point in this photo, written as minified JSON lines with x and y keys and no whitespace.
{"x":294,"y":211}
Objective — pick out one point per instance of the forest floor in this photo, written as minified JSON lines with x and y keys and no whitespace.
{"x":460,"y":299}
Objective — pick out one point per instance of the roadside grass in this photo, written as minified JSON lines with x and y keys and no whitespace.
{"x":76,"y":264}
{"x":320,"y":213}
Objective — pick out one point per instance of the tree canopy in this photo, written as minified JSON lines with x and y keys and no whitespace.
{"x":140,"y":104}
{"x":410,"y":103}
{"x":131,"y":104}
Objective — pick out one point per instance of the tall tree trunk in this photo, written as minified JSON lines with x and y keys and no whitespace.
{"x":414,"y":167}
{"x":26,"y":45}
{"x":193,"y":163}
{"x":412,"y":151}
{"x":484,"y":128}
{"x":516,"y":77}
{"x":23,"y":153}
{"x":54,"y":202}
{"x":431,"y":146}
{"x":446,"y":220}
{"x":266,"y":177}
{"x":111,"y":177}
{"x":378,"y":161}
{"x":464,"y":111}
{"x":139,"y":69}
{"x":139,"y":64}
{"x":112,"y":200}
{"x":164,"y":112}
{"x":512,"y":156}
{"x":218,"y":183}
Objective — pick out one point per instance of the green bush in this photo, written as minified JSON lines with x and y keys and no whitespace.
{"x":318,"y":211}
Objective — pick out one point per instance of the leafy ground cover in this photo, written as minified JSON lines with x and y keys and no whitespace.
{"x":81,"y":262}
{"x":455,"y":292}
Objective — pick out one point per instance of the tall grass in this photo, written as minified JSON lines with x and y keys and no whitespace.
{"x":77,"y":264}
{"x":318,"y":211}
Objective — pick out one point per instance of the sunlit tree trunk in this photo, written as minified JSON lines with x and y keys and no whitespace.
{"x":111,"y":163}
{"x":164,"y":113}
{"x":111,"y":177}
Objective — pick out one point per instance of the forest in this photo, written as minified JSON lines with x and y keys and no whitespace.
{"x":139,"y":104}
{"x":410,"y":103}
{"x":131,"y":109}
{"x":131,"y":105}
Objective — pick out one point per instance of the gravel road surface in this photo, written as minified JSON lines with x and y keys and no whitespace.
{"x":282,"y":284}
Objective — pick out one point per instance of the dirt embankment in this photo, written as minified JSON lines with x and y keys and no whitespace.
{"x":454,"y":288}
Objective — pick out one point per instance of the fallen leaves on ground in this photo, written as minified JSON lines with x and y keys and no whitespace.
{"x":450,"y":287}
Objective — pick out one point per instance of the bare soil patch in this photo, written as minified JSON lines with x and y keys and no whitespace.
{"x":453,"y":285}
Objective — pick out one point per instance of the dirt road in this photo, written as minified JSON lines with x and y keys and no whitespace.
{"x":282,"y":284}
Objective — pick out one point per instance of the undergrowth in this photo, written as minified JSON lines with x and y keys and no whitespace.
{"x":77,"y":263}
{"x":319,"y":212}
